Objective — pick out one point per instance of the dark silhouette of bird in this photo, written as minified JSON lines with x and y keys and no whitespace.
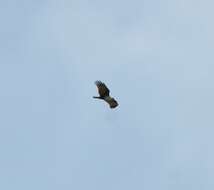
{"x":104,"y":94}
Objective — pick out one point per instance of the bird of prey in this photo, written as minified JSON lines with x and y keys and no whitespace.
{"x":104,"y":94}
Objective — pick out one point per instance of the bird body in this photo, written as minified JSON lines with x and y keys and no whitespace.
{"x":104,"y":94}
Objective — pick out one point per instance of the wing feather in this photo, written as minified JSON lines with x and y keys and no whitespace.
{"x":102,"y":89}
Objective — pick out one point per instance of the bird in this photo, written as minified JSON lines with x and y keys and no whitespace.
{"x":104,"y":93}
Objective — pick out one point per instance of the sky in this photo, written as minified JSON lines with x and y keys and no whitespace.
{"x":157,"y":59}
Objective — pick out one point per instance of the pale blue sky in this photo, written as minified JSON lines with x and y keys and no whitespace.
{"x":157,"y":59}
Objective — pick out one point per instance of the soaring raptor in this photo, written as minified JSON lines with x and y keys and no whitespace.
{"x":104,"y":94}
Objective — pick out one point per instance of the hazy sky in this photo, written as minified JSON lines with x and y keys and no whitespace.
{"x":157,"y":59}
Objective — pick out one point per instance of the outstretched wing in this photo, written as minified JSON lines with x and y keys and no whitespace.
{"x":102,"y":89}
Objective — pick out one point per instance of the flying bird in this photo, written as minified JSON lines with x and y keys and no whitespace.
{"x":104,"y":94}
